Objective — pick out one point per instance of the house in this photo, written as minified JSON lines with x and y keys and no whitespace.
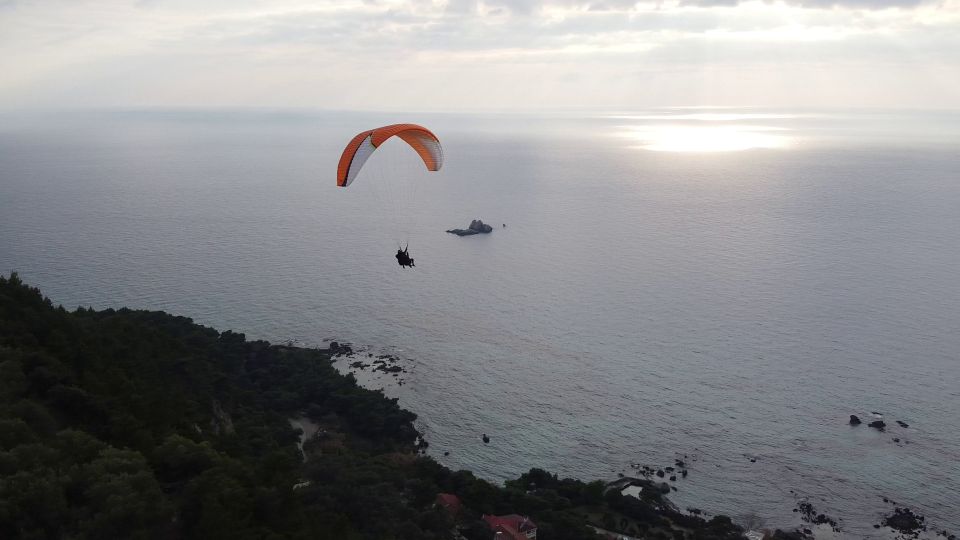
{"x":512,"y":527}
{"x":449,"y":502}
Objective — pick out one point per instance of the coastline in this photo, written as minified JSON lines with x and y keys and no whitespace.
{"x":201,"y":414}
{"x":812,"y":524}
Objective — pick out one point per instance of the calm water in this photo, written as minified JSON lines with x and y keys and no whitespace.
{"x":644,"y":301}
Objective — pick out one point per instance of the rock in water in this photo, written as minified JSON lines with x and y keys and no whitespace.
{"x":480,"y":226}
{"x":476,"y":227}
{"x":878,"y":424}
{"x":903,"y":424}
{"x":486,"y":440}
{"x":855,"y":420}
{"x":905,"y":521}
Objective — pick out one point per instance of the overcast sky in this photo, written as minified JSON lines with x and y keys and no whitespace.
{"x":469,"y":55}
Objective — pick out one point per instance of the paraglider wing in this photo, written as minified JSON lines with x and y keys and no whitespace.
{"x":361,"y":147}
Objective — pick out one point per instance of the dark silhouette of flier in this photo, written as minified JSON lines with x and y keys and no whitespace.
{"x":403,"y":257}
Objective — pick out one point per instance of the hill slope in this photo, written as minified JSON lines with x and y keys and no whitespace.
{"x":137,"y":424}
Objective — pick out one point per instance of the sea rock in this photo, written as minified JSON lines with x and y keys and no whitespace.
{"x":878,"y":424}
{"x":810,"y":515}
{"x":905,"y":521}
{"x":388,"y":369}
{"x":480,"y":226}
{"x":787,"y":535}
{"x":855,"y":420}
{"x":476,"y":227}
{"x":903,"y":424}
{"x":340,"y":349}
{"x":486,"y":440}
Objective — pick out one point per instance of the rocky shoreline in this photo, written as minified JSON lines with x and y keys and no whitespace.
{"x":900,"y":523}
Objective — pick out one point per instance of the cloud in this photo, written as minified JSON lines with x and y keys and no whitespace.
{"x":434,"y":52}
{"x":820,"y":4}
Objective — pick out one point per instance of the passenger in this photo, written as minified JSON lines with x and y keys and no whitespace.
{"x":403,"y":258}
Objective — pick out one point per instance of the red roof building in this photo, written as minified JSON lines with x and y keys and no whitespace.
{"x":449,"y":502}
{"x":512,"y":527}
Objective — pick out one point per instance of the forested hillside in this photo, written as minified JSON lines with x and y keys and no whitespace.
{"x":137,"y":424}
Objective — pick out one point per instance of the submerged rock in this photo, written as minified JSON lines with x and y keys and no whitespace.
{"x":878,"y":424}
{"x":340,"y":349}
{"x":905,"y":521}
{"x":787,"y":535}
{"x":809,"y":514}
{"x":903,"y":424}
{"x":855,"y":420}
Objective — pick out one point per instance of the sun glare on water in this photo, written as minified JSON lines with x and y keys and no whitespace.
{"x":684,"y":138}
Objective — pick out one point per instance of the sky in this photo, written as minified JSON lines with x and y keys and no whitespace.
{"x":465,"y":55}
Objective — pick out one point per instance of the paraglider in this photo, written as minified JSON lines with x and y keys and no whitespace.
{"x":403,"y":257}
{"x":362,"y":146}
{"x":365,"y":143}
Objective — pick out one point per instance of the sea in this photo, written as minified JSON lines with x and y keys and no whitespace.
{"x":724,"y":286}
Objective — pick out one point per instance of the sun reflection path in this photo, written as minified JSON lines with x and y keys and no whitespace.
{"x":712,"y":138}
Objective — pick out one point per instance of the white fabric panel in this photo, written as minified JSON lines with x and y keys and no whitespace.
{"x":363,"y":153}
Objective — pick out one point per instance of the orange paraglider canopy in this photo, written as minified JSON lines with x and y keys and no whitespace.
{"x":426,"y":144}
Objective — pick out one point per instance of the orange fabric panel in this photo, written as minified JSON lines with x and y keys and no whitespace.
{"x":416,"y":140}
{"x":383,"y":133}
{"x":413,"y":135}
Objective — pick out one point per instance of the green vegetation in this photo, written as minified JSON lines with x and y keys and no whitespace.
{"x":136,"y":424}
